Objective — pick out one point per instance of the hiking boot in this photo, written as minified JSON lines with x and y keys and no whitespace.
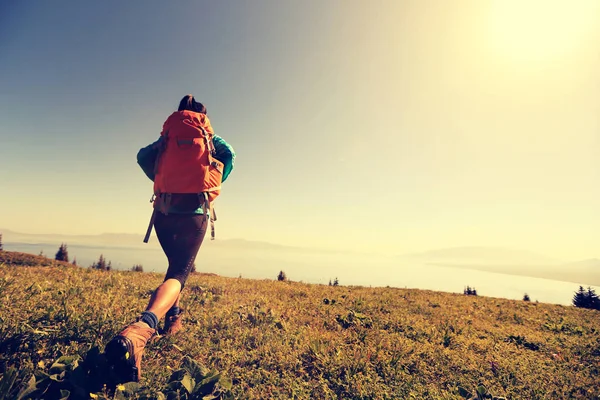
{"x":124,"y":352}
{"x":173,"y":323}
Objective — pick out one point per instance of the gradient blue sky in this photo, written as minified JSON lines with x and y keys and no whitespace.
{"x":388,"y":126}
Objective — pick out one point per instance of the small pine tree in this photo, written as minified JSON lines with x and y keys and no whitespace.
{"x":42,"y":253}
{"x":100,"y":264}
{"x":137,"y":268}
{"x":336,"y":282}
{"x":593,"y":299}
{"x":330,"y":284}
{"x":193,"y":270}
{"x":1,"y":246}
{"x":526,"y":297}
{"x":281,"y":276}
{"x":580,"y":298}
{"x":62,"y":254}
{"x":109,"y":266}
{"x":74,"y":261}
{"x":586,"y":298}
{"x":470,"y":291}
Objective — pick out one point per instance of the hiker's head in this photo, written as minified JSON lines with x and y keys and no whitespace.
{"x":190,"y":104}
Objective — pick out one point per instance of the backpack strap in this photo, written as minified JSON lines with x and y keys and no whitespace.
{"x":207,"y":208}
{"x":209,"y":212}
{"x":213,"y":218}
{"x":207,"y":140}
{"x":150,"y":226}
{"x":152,"y":218}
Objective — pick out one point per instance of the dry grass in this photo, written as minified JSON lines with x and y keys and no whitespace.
{"x":292,"y":340}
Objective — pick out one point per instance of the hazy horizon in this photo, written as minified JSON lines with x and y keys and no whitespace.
{"x":134,"y":240}
{"x":262,"y":258}
{"x":395,"y":127}
{"x":351,"y":270}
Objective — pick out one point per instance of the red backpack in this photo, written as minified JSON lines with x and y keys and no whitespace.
{"x":186,"y":164}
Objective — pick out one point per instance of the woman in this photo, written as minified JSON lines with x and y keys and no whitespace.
{"x":180,"y":224}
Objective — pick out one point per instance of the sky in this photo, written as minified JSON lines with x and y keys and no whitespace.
{"x":388,"y":127}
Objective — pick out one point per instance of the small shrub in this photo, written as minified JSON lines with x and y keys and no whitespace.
{"x":470,"y":291}
{"x":522,"y":341}
{"x":447,"y":339}
{"x":101,"y":264}
{"x":71,"y":377}
{"x":137,"y":268}
{"x":62,"y":254}
{"x":353,"y":319}
{"x":481,"y":393}
{"x":526,"y":297}
{"x":282,"y":276}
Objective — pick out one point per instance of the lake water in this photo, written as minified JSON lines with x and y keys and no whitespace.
{"x":320,"y":267}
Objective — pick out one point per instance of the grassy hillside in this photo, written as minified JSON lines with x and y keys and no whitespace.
{"x":293,"y":340}
{"x":15,"y":258}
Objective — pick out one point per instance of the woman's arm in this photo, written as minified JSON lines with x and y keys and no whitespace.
{"x":146,"y":158}
{"x":225,"y":154}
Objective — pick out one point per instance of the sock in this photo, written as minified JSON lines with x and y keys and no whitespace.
{"x":174,"y":311}
{"x":149,"y":318}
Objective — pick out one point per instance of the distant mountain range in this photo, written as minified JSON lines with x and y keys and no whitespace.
{"x":101,"y":240}
{"x":490,"y":259}
{"x":513,"y":262}
{"x":497,"y":255}
{"x":129,"y":240}
{"x":592,"y":263}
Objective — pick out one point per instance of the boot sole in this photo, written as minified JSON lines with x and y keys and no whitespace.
{"x":121,"y":362}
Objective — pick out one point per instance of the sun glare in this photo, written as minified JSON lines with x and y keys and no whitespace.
{"x":541,"y":30}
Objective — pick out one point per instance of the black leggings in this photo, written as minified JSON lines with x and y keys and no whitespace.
{"x":180,"y":236}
